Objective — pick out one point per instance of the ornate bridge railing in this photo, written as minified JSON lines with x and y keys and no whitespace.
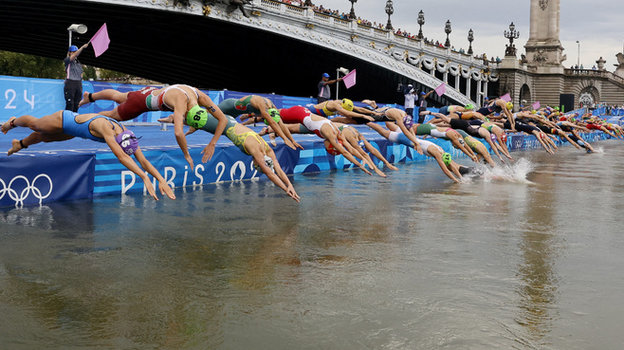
{"x":409,"y":57}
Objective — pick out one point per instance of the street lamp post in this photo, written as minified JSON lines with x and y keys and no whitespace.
{"x":511,"y":35}
{"x":447,"y":30}
{"x":578,"y":56}
{"x":78,"y":28}
{"x":352,"y":13}
{"x":421,"y":21}
{"x":338,"y":71}
{"x":389,"y":11}
{"x":470,"y":40}
{"x":308,"y":3}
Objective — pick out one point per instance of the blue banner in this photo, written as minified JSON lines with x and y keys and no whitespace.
{"x":39,"y":97}
{"x":28,"y":180}
{"x":26,"y":96}
{"x":227,"y":164}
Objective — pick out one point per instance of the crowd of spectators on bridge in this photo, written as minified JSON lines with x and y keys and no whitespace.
{"x":364,"y":22}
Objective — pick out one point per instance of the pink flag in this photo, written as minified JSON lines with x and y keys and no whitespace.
{"x":100,"y":41}
{"x":506,"y":98}
{"x":536,"y":105}
{"x":440,"y":90}
{"x":349,"y":79}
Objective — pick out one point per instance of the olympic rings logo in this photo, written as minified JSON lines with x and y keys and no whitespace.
{"x":7,"y":190}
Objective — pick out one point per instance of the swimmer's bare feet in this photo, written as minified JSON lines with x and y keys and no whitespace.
{"x":168,"y":119}
{"x":15,"y":146}
{"x":85,"y":99}
{"x":264,"y":131}
{"x":8,"y":125}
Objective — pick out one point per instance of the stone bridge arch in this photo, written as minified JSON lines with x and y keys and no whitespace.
{"x":586,"y":93}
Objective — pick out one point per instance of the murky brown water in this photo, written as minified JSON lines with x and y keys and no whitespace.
{"x":408,"y":262}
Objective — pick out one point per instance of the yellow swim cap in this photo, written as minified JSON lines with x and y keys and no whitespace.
{"x":509,"y":106}
{"x":347,"y":104}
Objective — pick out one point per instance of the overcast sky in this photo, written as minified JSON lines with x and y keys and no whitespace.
{"x":597,"y":25}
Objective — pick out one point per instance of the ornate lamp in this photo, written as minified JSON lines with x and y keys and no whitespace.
{"x":389,"y":11}
{"x":470,"y":40}
{"x":511,"y":35}
{"x":421,"y":21}
{"x":352,"y":13}
{"x":447,"y":30}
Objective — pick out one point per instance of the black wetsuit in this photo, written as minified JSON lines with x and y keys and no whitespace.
{"x":460,"y":124}
{"x":521,"y":127}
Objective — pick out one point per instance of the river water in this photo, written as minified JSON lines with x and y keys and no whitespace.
{"x":530,"y":258}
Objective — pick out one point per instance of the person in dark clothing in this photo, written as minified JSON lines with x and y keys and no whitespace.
{"x":422,"y":104}
{"x":73,"y":78}
{"x":323,"y":88}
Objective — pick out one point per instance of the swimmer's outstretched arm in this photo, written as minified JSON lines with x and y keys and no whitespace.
{"x":447,"y":172}
{"x":129,"y":163}
{"x":213,"y":109}
{"x":162,"y":183}
{"x":280,"y":179}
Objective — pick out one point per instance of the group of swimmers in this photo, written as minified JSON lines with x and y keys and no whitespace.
{"x":330,"y":120}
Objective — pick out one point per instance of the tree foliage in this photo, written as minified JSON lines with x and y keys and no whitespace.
{"x":19,"y":64}
{"x":23,"y":65}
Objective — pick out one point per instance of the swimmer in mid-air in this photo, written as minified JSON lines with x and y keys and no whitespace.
{"x":65,"y":125}
{"x":451,"y":169}
{"x":322,"y":127}
{"x":258,"y":106}
{"x":342,"y":108}
{"x":182,"y":100}
{"x":250,"y":143}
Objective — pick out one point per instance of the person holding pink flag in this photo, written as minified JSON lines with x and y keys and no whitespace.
{"x":72,"y":87}
{"x":422,"y":104}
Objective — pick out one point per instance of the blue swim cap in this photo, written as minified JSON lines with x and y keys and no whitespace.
{"x":73,"y":48}
{"x":325,"y":75}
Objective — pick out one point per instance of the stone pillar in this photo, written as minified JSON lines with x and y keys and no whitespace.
{"x":485,"y":90}
{"x":468,"y":86}
{"x":544,"y":52}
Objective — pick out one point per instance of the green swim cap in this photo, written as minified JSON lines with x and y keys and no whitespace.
{"x":469,"y":107}
{"x":275,"y":115}
{"x":446,"y":158}
{"x":196,"y":117}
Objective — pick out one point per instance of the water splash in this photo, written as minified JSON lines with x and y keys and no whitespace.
{"x":516,"y":172}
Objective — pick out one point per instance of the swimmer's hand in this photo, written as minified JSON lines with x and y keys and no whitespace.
{"x":149,"y":187}
{"x":289,"y":144}
{"x":366,"y":170}
{"x":418,"y":148}
{"x":207,"y":152}
{"x":297,"y":145}
{"x":292,"y":193}
{"x":190,"y":131}
{"x":189,"y":159}
{"x":165,"y":190}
